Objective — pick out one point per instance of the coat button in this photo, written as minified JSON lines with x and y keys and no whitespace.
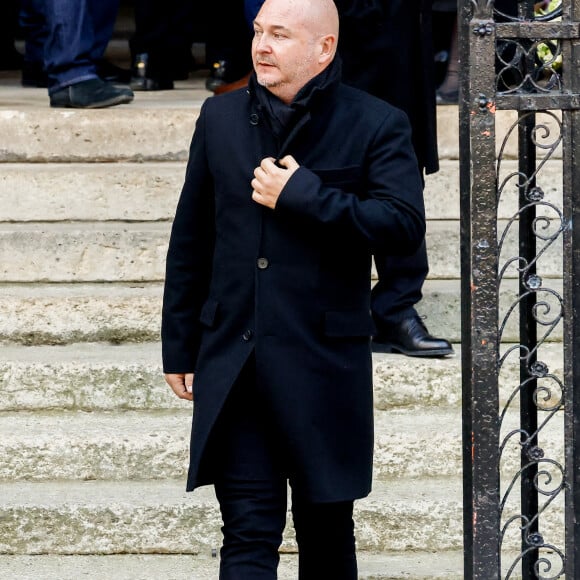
{"x":247,"y":335}
{"x":263,"y":263}
{"x":254,"y":119}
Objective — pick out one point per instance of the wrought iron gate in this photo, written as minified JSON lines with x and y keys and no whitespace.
{"x":520,"y":259}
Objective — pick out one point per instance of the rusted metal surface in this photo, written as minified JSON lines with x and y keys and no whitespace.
{"x":521,"y":467}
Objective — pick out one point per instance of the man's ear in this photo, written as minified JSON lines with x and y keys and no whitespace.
{"x":327,"y":48}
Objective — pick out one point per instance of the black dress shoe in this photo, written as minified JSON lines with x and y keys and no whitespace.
{"x":144,"y":77}
{"x":223,"y":73}
{"x":91,"y":94}
{"x":411,"y":337}
{"x":217,"y":75}
{"x":447,"y":98}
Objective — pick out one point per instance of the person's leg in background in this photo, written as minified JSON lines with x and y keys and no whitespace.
{"x":398,"y":32}
{"x":228,"y":47}
{"x":448,"y":90}
{"x":393,"y":299}
{"x":161,"y":45}
{"x":72,"y":41}
{"x":104,"y":16}
{"x":251,"y":9}
{"x":10,"y":58}
{"x":34,"y":29}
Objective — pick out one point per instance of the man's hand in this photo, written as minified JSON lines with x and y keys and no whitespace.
{"x":181,"y":384}
{"x":269,"y":179}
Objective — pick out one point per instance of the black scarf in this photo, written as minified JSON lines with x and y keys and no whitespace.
{"x":283,"y":117}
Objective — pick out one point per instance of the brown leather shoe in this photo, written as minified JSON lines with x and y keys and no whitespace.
{"x":227,"y":87}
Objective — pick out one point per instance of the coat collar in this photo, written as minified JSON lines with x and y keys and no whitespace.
{"x":316,"y":89}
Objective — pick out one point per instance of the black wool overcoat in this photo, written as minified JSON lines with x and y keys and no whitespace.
{"x":387,"y":50}
{"x":291,"y":285}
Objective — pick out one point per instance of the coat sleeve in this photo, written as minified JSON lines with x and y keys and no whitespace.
{"x":390,"y":215}
{"x":189,"y":259}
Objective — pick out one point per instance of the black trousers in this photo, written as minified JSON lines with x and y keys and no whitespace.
{"x":399,"y":286}
{"x":251,"y":485}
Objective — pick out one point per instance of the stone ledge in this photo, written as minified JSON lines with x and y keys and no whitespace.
{"x":49,"y":192}
{"x":32,"y":314}
{"x":155,"y":445}
{"x":104,"y":377}
{"x":135,"y":252}
{"x":159,"y":517}
{"x":386,"y":566}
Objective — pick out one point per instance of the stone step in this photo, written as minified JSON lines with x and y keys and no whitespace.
{"x":135,"y":252}
{"x":34,"y":132}
{"x":37,"y":446}
{"x":153,"y":127}
{"x":47,"y":192}
{"x":83,"y":251}
{"x":160,"y":517}
{"x":32,"y":314}
{"x":59,"y":518}
{"x":100,"y":377}
{"x":415,"y":443}
{"x":386,"y":566}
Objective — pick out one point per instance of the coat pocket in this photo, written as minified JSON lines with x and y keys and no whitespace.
{"x":209,"y":311}
{"x":340,"y":175}
{"x":344,"y":323}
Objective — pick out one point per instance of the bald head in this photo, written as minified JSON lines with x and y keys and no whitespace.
{"x":294,"y":40}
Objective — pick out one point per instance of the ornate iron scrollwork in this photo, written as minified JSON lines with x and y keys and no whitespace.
{"x":542,"y":464}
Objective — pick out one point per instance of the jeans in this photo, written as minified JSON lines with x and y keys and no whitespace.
{"x":251,"y":9}
{"x":78,"y":32}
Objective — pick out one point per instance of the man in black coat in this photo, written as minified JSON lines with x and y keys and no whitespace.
{"x":290,"y":187}
{"x":387,"y":50}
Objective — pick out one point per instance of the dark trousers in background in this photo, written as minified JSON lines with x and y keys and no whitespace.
{"x":78,"y":32}
{"x":250,"y":472}
{"x":399,"y":287}
{"x":8,"y":26}
{"x":33,"y":25}
{"x":165,"y":31}
{"x":229,"y":37}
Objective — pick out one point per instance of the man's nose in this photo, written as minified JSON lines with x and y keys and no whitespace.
{"x":262,"y":44}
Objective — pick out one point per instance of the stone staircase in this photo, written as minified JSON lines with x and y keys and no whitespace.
{"x":93,"y":446}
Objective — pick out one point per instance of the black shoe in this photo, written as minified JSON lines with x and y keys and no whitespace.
{"x":144,"y":77}
{"x":217,"y":75}
{"x":447,"y":97}
{"x":91,"y":94}
{"x":224,"y":72}
{"x":411,"y":337}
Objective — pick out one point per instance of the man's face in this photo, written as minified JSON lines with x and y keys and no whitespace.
{"x":284,"y":49}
